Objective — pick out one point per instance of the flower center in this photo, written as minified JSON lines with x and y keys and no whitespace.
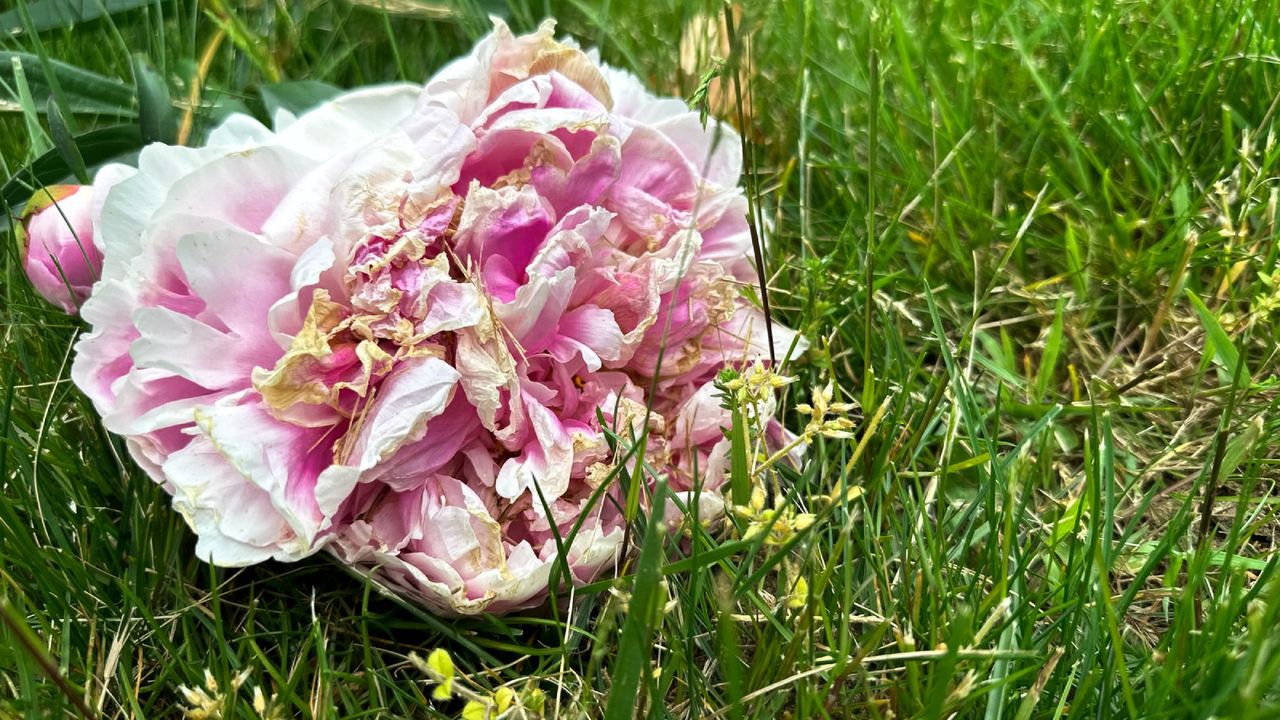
{"x":401,"y":297}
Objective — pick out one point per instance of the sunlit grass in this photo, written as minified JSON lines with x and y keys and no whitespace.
{"x":1033,"y":243}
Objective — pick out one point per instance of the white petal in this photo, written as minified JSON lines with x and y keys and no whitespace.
{"x":415,"y":392}
{"x":234,"y":519}
{"x":348,"y":120}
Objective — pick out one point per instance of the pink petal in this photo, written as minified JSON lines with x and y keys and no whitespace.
{"x":261,"y":272}
{"x":534,"y":313}
{"x":294,"y":465}
{"x":591,"y":331}
{"x":193,"y":350}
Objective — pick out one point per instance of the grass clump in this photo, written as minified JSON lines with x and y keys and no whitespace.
{"x":1034,"y":246}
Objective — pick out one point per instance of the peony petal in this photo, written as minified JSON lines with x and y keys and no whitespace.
{"x":287,"y":315}
{"x":350,"y":119}
{"x":407,"y":399}
{"x":150,"y":399}
{"x":534,"y":313}
{"x":261,"y":272}
{"x":508,"y":223}
{"x":102,"y":355}
{"x":193,"y":350}
{"x":546,"y":462}
{"x":440,"y":444}
{"x":488,"y":373}
{"x":292,"y":464}
{"x":130,"y":204}
{"x":234,"y":520}
{"x":585,"y":182}
{"x":218,"y":190}
{"x":714,"y":150}
{"x":591,"y":331}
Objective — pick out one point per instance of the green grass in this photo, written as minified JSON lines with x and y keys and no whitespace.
{"x":1034,"y":239}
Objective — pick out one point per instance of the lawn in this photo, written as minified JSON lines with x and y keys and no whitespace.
{"x":1033,"y":242}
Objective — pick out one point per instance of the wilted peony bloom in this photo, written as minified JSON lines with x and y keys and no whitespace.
{"x":394,"y":326}
{"x":60,"y":257}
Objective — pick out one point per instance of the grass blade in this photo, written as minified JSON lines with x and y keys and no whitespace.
{"x":635,"y":647}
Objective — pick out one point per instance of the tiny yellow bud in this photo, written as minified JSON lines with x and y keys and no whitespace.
{"x":259,"y":701}
{"x":475,"y":710}
{"x":443,"y":691}
{"x":799,"y":594}
{"x":440,"y":667}
{"x":190,"y":695}
{"x":534,"y":699}
{"x":503,"y":699}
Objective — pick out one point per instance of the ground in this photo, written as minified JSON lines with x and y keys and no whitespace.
{"x":1033,"y":242}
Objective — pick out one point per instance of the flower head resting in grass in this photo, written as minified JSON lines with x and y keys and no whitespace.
{"x":402,"y":326}
{"x":59,"y":254}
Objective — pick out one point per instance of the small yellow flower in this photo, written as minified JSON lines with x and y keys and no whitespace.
{"x":495,"y":706}
{"x":534,"y":700}
{"x":202,"y":703}
{"x":259,"y":701}
{"x":849,"y":495}
{"x":503,"y":699}
{"x":780,"y":525}
{"x":239,"y":679}
{"x":438,"y":667}
{"x":266,"y":708}
{"x":206,"y":702}
{"x":802,"y":521}
{"x":835,"y":427}
{"x":623,"y":597}
{"x":476,"y":710}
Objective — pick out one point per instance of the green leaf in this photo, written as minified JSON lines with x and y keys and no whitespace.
{"x":36,"y":136}
{"x":85,"y":91}
{"x":1217,"y":341}
{"x":253,"y":45}
{"x":729,"y":649}
{"x":739,"y":470}
{"x":225,"y":106}
{"x":95,"y":147}
{"x":1077,"y":264}
{"x":51,"y":14}
{"x":1241,"y":447}
{"x":635,"y":647}
{"x":1052,"y":349}
{"x":64,"y":143}
{"x":155,"y":109}
{"x":296,"y":96}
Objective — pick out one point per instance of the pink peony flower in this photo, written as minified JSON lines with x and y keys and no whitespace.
{"x":61,"y":258}
{"x":398,"y":327}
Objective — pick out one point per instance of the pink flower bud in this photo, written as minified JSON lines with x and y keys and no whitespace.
{"x":60,"y":257}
